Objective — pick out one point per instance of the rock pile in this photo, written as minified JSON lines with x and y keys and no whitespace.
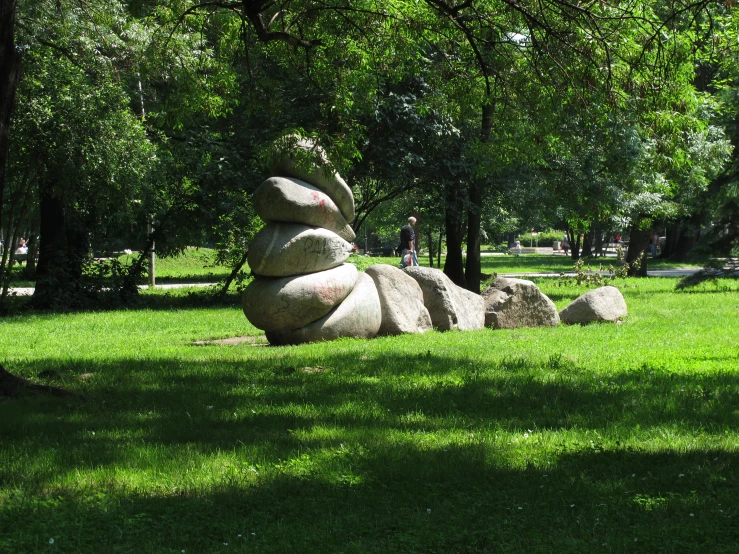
{"x":303,"y":290}
{"x":450,"y":306}
{"x":401,"y":301}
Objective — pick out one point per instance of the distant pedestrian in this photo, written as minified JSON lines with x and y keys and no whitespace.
{"x":518,"y":248}
{"x":654,"y":243}
{"x":408,"y":244}
{"x":565,"y":244}
{"x":22,"y":247}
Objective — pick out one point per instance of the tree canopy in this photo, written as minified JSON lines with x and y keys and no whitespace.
{"x":471,"y":115}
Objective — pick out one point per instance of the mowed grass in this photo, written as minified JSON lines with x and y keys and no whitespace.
{"x":198,"y":265}
{"x":192,"y":265}
{"x":603,"y":438}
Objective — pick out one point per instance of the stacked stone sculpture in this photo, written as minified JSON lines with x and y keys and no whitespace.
{"x":303,"y":290}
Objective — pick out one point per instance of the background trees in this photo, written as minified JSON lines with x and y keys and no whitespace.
{"x":586,"y":114}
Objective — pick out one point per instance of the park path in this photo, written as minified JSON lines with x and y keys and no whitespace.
{"x":28,"y":291}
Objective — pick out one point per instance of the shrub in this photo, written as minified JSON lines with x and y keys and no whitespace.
{"x":544,"y":239}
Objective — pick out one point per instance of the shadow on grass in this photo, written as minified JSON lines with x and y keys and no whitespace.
{"x":400,"y":499}
{"x":356,"y":458}
{"x":222,"y":405}
{"x":200,"y":297}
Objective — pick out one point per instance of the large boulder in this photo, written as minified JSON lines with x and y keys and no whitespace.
{"x":283,"y":249}
{"x":401,"y":300}
{"x":601,"y":304}
{"x":295,"y":201}
{"x":359,"y":315}
{"x":282,"y":304}
{"x":512,"y":303}
{"x":450,"y":306}
{"x":303,"y":159}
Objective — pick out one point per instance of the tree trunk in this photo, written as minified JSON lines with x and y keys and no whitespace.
{"x":438,"y":250}
{"x":430,"y":239}
{"x":680,"y":240}
{"x":672,"y":237}
{"x":8,"y":274}
{"x":10,"y":73}
{"x":574,"y":245}
{"x":6,"y":264}
{"x":473,"y":268}
{"x":598,"y":239}
{"x":682,"y":247}
{"x":587,"y":245}
{"x":474,"y":221}
{"x":638,"y":247}
{"x":234,"y":271}
{"x":63,"y":249}
{"x":453,"y":266}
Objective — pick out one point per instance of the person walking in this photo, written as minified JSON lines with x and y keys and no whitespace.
{"x":654,"y":242}
{"x":565,"y":244}
{"x":408,"y":244}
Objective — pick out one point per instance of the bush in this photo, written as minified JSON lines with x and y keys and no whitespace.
{"x":544,"y":239}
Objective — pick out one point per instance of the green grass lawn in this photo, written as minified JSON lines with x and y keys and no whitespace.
{"x":193,"y":265}
{"x":527,"y":263}
{"x":197,"y":265}
{"x":604,"y":438}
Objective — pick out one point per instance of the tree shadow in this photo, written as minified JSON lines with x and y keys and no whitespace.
{"x":189,"y":298}
{"x":400,"y":499}
{"x":210,"y":407}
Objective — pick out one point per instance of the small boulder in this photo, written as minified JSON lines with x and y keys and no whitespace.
{"x":282,"y":304}
{"x":283,"y":249}
{"x":295,"y":201}
{"x":450,"y":306}
{"x":303,"y":159}
{"x":512,"y":303}
{"x":401,"y":300}
{"x":359,"y":315}
{"x":601,"y":304}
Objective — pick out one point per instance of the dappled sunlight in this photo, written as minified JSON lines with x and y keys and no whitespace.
{"x":581,"y":431}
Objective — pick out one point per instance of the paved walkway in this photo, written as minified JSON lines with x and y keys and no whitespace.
{"x":28,"y":291}
{"x":684,"y":272}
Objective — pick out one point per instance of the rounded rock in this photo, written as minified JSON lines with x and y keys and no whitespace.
{"x":286,"y":303}
{"x":284,"y":249}
{"x":512,"y":303}
{"x":359,"y":315}
{"x":401,"y":300}
{"x":303,"y":159}
{"x":283,"y":199}
{"x":604,"y":304}
{"x":450,"y":306}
